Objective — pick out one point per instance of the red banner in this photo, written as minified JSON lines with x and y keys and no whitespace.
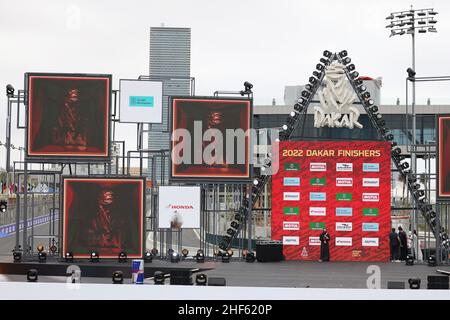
{"x":342,"y":186}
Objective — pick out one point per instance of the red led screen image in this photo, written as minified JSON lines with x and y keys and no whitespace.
{"x":443,"y":172}
{"x":344,"y":187}
{"x":104,"y":215}
{"x":197,"y":115}
{"x":68,"y":116}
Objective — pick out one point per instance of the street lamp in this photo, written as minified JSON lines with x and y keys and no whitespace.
{"x":410,"y":22}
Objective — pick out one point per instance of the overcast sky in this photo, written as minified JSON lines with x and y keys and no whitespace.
{"x":269,"y":43}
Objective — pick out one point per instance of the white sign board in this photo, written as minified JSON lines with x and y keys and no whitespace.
{"x":140,"y":101}
{"x":179,"y":207}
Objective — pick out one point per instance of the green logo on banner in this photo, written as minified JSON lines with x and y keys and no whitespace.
{"x":317,"y":225}
{"x":317,"y":181}
{"x":344,"y":196}
{"x":290,"y":166}
{"x":291,"y":211}
{"x":370,"y":212}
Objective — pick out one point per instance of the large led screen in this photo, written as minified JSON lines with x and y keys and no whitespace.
{"x":443,"y":171}
{"x":210,"y":139}
{"x":68,"y":116}
{"x":104,"y":215}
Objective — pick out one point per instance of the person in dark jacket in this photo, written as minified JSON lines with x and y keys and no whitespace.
{"x":324,"y":246}
{"x":394,"y":244}
{"x":403,"y":244}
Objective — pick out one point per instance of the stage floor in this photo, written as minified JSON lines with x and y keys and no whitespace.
{"x":287,"y":274}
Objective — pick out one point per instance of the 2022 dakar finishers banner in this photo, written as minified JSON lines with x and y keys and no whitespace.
{"x":342,"y":186}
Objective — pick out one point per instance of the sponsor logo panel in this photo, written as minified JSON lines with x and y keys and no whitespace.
{"x":317,"y":211}
{"x":291,"y":225}
{"x":371,"y":167}
{"x":317,"y":196}
{"x":344,"y":212}
{"x":370,"y":242}
{"x":344,"y":167}
{"x":291,"y":166}
{"x":317,"y":225}
{"x":344,"y":241}
{"x":344,"y":197}
{"x":370,"y":212}
{"x":371,"y":182}
{"x":317,"y":181}
{"x":370,"y":197}
{"x":291,"y":241}
{"x":344,"y":226}
{"x":291,"y":182}
{"x":314,"y":241}
{"x":370,"y":226}
{"x":291,"y":196}
{"x":295,"y":211}
{"x":344,"y":182}
{"x":318,"y":166}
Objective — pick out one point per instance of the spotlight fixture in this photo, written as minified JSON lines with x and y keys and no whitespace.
{"x":373,"y":109}
{"x":317,"y":74}
{"x":225,"y":257}
{"x":9,"y":91}
{"x":409,"y":260}
{"x":414,"y":283}
{"x":313,"y":80}
{"x":231,"y":232}
{"x":185,"y":252}
{"x":432,"y":261}
{"x":40,"y":248}
{"x":17,"y":256}
{"x":411,"y":73}
{"x":234,"y":224}
{"x":122,"y":257}
{"x":298,"y":107}
{"x":3,"y":206}
{"x":230,"y":252}
{"x":250,"y":257}
{"x":354,"y":75}
{"x":94,"y":257}
{"x":42,"y":256}
{"x":68,"y":257}
{"x":320,"y":67}
{"x":117,"y":277}
{"x":217,"y":253}
{"x":389,"y":137}
{"x":158,"y":277}
{"x":154,"y":251}
{"x":32,"y":275}
{"x":306,"y":94}
{"x":201,"y":279}
{"x":327,"y":54}
{"x":366,"y":95}
{"x":148,"y":257}
{"x":343,"y":53}
{"x":174,"y":257}
{"x":346,"y":61}
{"x":200,"y":257}
{"x":324,"y":61}
{"x":244,"y":253}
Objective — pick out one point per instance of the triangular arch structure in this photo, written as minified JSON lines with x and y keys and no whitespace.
{"x":376,"y":119}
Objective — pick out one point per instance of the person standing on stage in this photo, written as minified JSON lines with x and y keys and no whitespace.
{"x":394,"y":243}
{"x":324,"y":246}
{"x":403,"y":244}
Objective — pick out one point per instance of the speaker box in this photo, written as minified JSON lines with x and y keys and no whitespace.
{"x":395,"y":285}
{"x":438,"y":282}
{"x":181,"y":277}
{"x":269,"y":251}
{"x":216,"y":281}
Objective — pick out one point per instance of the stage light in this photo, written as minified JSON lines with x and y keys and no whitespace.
{"x":117,"y":277}
{"x":419,"y":193}
{"x":351,"y":67}
{"x":169,"y":252}
{"x":432,"y":29}
{"x":317,"y":74}
{"x":354,"y":75}
{"x":250,"y":257}
{"x":3,"y":206}
{"x":42,"y":256}
{"x":158,"y":277}
{"x":416,"y":186}
{"x":94,"y":256}
{"x":17,"y":256}
{"x":40,"y":248}
{"x":432,"y":21}
{"x":244,"y":253}
{"x":234,"y":224}
{"x":343,"y":53}
{"x":366,"y":95}
{"x":324,"y":61}
{"x":201,"y":279}
{"x":308,"y":87}
{"x":148,"y":257}
{"x":231,"y":231}
{"x":389,"y":137}
{"x":362,"y":88}
{"x":373,"y":109}
{"x":346,"y":61}
{"x":327,"y":54}
{"x":432,"y":261}
{"x":381,"y":122}
{"x":404,"y":165}
{"x":200,"y":257}
{"x":217,"y":253}
{"x":68,"y":257}
{"x":409,"y":260}
{"x":185,"y":252}
{"x":422,"y":31}
{"x":9,"y":91}
{"x":174,"y":257}
{"x":358,"y":82}
{"x":414,"y":283}
{"x":370,"y":102}
{"x":154,"y":251}
{"x":313,"y":80}
{"x":298,"y":107}
{"x":411,"y":73}
{"x":225,"y":257}
{"x":384,"y":130}
{"x":248,"y":85}
{"x":432,"y":13}
{"x":230,"y":252}
{"x":122,"y":257}
{"x":306,"y":94}
{"x":320,"y":67}
{"x":32,"y":275}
